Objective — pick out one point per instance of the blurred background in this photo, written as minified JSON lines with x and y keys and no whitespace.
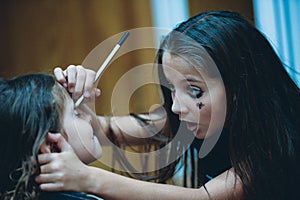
{"x":38,"y":35}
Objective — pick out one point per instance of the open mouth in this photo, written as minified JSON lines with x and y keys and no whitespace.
{"x":192,"y":126}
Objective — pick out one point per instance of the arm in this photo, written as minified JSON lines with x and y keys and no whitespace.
{"x":64,"y":171}
{"x":125,"y":129}
{"x":113,"y":186}
{"x":129,"y":130}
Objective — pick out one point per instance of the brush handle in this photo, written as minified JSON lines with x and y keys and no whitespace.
{"x":105,"y":64}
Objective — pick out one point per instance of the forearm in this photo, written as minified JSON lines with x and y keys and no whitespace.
{"x":127,"y":130}
{"x":113,"y":186}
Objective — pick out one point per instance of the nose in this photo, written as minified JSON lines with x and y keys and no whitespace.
{"x":178,"y":106}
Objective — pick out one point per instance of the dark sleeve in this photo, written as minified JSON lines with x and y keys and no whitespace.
{"x":66,"y":196}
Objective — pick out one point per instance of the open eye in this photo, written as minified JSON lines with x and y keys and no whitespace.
{"x":195,"y":91}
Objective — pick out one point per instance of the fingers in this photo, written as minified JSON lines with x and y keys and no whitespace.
{"x":60,"y":76}
{"x":78,"y":81}
{"x":45,"y":177}
{"x":89,"y":83}
{"x":49,"y":165}
{"x":50,"y":187}
{"x":59,"y":140}
{"x":54,"y":184}
{"x":71,"y":73}
{"x":53,"y":137}
{"x":45,"y":147}
{"x":44,"y":159}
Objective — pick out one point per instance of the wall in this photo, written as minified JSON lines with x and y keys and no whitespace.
{"x":38,"y":35}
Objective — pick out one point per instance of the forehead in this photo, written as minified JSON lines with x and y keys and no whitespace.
{"x":176,"y":66}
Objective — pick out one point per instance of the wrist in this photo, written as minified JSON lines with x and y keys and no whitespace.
{"x":91,"y":182}
{"x":85,"y":179}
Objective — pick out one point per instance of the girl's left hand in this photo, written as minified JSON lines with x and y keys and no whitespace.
{"x":61,"y":171}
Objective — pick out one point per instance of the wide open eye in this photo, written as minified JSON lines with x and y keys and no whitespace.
{"x":194,"y":91}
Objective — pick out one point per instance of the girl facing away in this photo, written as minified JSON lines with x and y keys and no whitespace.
{"x":31,"y":106}
{"x":257,"y":154}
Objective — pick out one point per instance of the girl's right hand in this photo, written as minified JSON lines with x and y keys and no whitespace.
{"x":78,"y":80}
{"x":61,"y":171}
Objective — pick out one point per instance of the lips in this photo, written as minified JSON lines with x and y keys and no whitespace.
{"x":192,"y":126}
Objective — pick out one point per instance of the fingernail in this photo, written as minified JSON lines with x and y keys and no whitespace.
{"x":71,"y":89}
{"x":65,"y":85}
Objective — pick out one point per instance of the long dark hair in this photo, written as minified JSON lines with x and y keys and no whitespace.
{"x":262,"y":101}
{"x":31,"y":106}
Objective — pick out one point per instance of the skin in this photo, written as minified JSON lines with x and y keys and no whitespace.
{"x":190,"y":87}
{"x":79,"y":129}
{"x":61,"y":171}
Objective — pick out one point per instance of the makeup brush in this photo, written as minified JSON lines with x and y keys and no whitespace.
{"x":105,"y":64}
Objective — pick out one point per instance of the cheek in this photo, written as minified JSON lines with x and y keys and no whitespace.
{"x":205,"y":110}
{"x":205,"y":113}
{"x":213,"y":114}
{"x":81,"y":138}
{"x":78,"y":133}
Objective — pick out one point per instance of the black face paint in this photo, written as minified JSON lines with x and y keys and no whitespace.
{"x":200,"y":105}
{"x":199,"y":95}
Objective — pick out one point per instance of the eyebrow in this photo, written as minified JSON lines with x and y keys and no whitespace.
{"x":192,"y":79}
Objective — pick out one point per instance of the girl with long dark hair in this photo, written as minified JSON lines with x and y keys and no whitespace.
{"x":225,"y":87}
{"x":31,"y":106}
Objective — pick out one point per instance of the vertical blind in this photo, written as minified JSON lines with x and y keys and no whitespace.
{"x":279,"y":21}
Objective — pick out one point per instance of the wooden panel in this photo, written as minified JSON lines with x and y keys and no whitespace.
{"x":245,"y":7}
{"x":38,"y":35}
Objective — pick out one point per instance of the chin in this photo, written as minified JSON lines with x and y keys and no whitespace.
{"x":91,"y":158}
{"x":199,"y":134}
{"x":91,"y":155}
{"x":97,"y":149}
{"x":96,"y":155}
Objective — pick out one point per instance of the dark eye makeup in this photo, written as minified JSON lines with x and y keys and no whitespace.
{"x":195,"y":91}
